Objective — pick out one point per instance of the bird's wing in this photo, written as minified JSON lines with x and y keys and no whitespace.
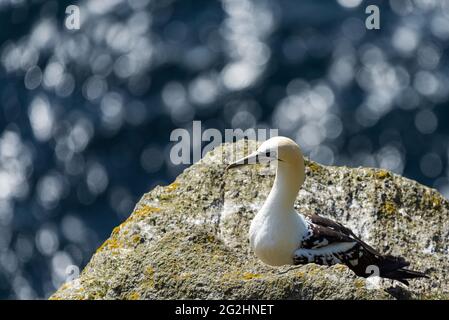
{"x":329,"y":242}
{"x":320,"y":236}
{"x":325,"y":226}
{"x":323,"y":232}
{"x":328,"y":223}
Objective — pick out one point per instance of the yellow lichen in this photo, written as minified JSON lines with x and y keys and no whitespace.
{"x":133,"y":296}
{"x":95,"y":295}
{"x":185,"y":276}
{"x":114,"y":243}
{"x":136,"y":239}
{"x":65,"y":286}
{"x":145,"y":211}
{"x":149,"y":273}
{"x":117,"y":229}
{"x":165,"y":196}
{"x":382,"y":174}
{"x":436,"y":201}
{"x":340,"y":267}
{"x":389,"y":207}
{"x":314,"y":270}
{"x":104,"y":245}
{"x":314,"y":167}
{"x":172,"y":187}
{"x":359,"y":283}
{"x":111,"y":243}
{"x":249,"y":276}
{"x":431,"y":199}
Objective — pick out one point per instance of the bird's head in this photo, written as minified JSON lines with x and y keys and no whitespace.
{"x":282,"y":149}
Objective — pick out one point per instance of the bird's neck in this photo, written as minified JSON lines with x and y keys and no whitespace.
{"x":287,"y":183}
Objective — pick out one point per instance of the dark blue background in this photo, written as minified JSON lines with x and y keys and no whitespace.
{"x":61,"y":218}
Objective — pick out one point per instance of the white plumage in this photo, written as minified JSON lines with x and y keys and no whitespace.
{"x":277,"y":229}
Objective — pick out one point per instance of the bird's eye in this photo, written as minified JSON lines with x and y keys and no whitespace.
{"x":268,"y":154}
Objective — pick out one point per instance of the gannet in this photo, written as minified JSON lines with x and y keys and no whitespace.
{"x":279,"y":235}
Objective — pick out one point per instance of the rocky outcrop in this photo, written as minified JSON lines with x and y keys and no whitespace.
{"x":189,"y":239}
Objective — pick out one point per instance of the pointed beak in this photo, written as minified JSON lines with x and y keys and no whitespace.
{"x":253,"y":158}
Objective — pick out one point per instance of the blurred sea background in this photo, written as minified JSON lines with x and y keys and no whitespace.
{"x":86,"y":115}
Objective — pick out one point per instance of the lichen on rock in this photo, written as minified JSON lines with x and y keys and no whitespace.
{"x":189,"y":240}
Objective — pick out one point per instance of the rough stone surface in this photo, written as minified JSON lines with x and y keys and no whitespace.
{"x":188,"y":240}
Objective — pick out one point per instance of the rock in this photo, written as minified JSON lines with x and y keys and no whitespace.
{"x":189,"y":240}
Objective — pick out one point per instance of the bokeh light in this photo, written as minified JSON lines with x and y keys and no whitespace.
{"x":86,"y":115}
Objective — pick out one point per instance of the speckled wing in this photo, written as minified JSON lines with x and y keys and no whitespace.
{"x":329,"y":242}
{"x":325,"y":224}
{"x":320,"y":236}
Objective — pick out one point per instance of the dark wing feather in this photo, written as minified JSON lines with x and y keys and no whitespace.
{"x":338,"y":227}
{"x":321,"y":236}
{"x":324,"y":231}
{"x":328,"y":223}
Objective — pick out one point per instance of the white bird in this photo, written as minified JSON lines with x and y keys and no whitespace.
{"x":279,"y":235}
